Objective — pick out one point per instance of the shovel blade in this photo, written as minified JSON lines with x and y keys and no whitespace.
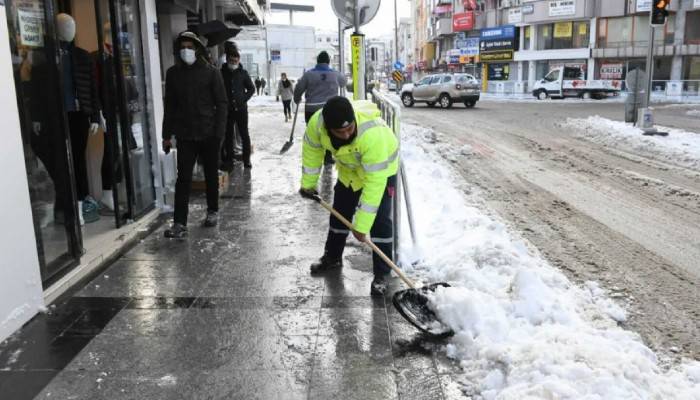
{"x":287,"y":146}
{"x":412,"y":304}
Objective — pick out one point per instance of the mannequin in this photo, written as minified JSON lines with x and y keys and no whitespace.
{"x":80,"y":103}
{"x":111,"y":168}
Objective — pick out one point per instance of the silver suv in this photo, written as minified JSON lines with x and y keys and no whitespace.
{"x":443,"y":89}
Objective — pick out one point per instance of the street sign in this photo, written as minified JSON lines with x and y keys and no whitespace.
{"x":397,"y":75}
{"x":345,"y":10}
{"x":398,"y":65}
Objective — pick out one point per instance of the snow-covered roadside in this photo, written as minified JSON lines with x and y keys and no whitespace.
{"x":679,"y":147}
{"x":523,"y":331}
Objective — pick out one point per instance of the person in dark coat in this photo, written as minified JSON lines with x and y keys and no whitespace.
{"x":195,"y":113}
{"x":239,"y":89}
{"x":262,"y":85}
{"x":257,"y":85}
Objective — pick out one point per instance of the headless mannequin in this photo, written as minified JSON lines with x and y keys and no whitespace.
{"x":111,"y":171}
{"x":78,"y":120}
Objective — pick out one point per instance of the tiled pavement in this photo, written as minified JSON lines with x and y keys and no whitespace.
{"x":231,"y":312}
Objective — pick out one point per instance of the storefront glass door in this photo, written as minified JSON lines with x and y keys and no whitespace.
{"x":46,"y":144}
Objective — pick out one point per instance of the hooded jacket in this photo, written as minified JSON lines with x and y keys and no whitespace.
{"x":319,"y":84}
{"x":196,"y":105}
{"x":239,"y":86}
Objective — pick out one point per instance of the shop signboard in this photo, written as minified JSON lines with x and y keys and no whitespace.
{"x":499,"y":72}
{"x":275,"y":55}
{"x":463,"y":21}
{"x":442,"y":9}
{"x":469,"y":47}
{"x":643,"y":5}
{"x":560,"y":8}
{"x":528,"y":9}
{"x":696,"y":3}
{"x":563,"y":29}
{"x":497,"y":45}
{"x":506,"y":55}
{"x":499,"y":32}
{"x":515,"y":15}
{"x":611,"y":71}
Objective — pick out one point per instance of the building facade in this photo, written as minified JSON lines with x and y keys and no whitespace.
{"x":520,"y":41}
{"x":74,"y":195}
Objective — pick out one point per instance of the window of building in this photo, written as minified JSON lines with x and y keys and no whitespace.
{"x":692,"y":27}
{"x":544,"y":37}
{"x":561,"y":35}
{"x":691,"y":70}
{"x":528,"y":38}
{"x":581,"y":36}
{"x":633,"y":31}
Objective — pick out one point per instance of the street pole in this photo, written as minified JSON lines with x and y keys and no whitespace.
{"x":341,"y":51}
{"x":358,"y":58}
{"x":650,"y":64}
{"x":396,"y":41}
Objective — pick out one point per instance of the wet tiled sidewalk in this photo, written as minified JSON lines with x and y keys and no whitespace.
{"x":231,"y":312}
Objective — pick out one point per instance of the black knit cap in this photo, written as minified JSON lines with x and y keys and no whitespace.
{"x":338,"y":113}
{"x":323,"y":58}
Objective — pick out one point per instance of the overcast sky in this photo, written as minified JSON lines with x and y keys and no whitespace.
{"x":324,"y":18}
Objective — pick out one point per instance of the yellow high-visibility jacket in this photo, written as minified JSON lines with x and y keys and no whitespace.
{"x":364,"y":164}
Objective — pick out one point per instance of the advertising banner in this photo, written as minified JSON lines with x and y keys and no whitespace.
{"x":506,"y":55}
{"x":528,"y":9}
{"x":611,"y":71}
{"x":643,"y":5}
{"x":469,"y":47}
{"x":558,"y":8}
{"x":497,"y":45}
{"x":563,"y":29}
{"x":696,"y":3}
{"x":442,"y":9}
{"x":463,"y":21}
{"x":515,"y":15}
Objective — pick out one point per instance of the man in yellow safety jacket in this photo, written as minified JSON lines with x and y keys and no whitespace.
{"x":367,"y":155}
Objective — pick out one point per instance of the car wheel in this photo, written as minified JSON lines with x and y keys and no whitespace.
{"x":542,"y":95}
{"x":470,"y":103}
{"x":407,"y":100}
{"x":430,"y":104}
{"x":445,"y":100}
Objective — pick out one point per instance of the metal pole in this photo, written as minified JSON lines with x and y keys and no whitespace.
{"x":396,"y":33}
{"x":341,"y":51}
{"x":650,"y":64}
{"x":358,"y":42}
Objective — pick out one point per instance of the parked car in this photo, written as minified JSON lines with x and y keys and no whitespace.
{"x":442,"y":89}
{"x":391,"y":85}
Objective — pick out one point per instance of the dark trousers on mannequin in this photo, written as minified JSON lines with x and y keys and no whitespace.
{"x":111,"y":167}
{"x":328,"y":157}
{"x":238,"y":119}
{"x":345,"y":201}
{"x":188,"y":152}
{"x":79,"y":124}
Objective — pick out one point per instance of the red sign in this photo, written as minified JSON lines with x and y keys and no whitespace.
{"x":442,"y":9}
{"x":463,"y":21}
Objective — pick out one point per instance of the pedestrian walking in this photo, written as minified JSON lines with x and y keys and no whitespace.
{"x":368,"y":158}
{"x":195,"y":113}
{"x":318,"y":85}
{"x":257,"y":85}
{"x":285,"y":90}
{"x":239,"y":89}
{"x":262,"y":85}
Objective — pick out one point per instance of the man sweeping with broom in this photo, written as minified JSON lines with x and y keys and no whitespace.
{"x":367,"y":155}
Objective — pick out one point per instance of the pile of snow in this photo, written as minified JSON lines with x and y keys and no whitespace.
{"x":522,"y":329}
{"x":679,"y":147}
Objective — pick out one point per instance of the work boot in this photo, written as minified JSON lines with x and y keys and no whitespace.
{"x":177,"y":231}
{"x":212,"y":219}
{"x":379,"y":285}
{"x":326,"y":263}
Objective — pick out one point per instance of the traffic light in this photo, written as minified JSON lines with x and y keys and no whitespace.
{"x":659,"y":12}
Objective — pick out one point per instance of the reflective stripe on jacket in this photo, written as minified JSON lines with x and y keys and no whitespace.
{"x":365,"y":164}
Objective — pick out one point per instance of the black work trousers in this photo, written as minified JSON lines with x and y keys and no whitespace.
{"x":237,"y":118}
{"x":345,"y":201}
{"x":111,"y":166}
{"x":328,"y":157}
{"x":188,"y":152}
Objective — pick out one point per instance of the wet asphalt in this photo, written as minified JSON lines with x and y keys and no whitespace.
{"x":231,"y":312}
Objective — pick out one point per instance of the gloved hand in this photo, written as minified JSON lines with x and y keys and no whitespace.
{"x":167,"y":145}
{"x":94,"y":127}
{"x":308,"y":193}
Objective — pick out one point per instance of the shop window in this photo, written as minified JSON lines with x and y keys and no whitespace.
{"x":619,"y":31}
{"x":544,"y":37}
{"x":581,"y":34}
{"x":692,"y":27}
{"x":562,"y":35}
{"x":528,"y":38}
{"x":691,"y":70}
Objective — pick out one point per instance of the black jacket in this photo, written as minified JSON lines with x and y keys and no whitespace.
{"x":239,"y":87}
{"x":195,"y":102}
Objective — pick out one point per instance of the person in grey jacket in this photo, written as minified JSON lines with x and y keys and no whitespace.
{"x":285,"y":89}
{"x":319,"y":85}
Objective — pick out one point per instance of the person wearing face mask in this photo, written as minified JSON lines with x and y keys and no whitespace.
{"x":367,"y":154}
{"x":285,"y":89}
{"x":195,"y":113}
{"x":239,"y":89}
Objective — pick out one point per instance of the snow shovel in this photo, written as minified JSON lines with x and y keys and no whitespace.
{"x":288,"y":145}
{"x":411,"y":303}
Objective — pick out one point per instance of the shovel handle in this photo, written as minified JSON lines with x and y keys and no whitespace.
{"x":367,"y":241}
{"x":294,"y":122}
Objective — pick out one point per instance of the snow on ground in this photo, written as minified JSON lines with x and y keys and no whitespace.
{"x":263,"y":101}
{"x":523,"y":330}
{"x":693,"y":113}
{"x":679,"y":147}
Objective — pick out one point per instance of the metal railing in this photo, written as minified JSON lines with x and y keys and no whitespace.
{"x":391,"y":113}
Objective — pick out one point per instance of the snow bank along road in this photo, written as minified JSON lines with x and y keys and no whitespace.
{"x":623,"y":216}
